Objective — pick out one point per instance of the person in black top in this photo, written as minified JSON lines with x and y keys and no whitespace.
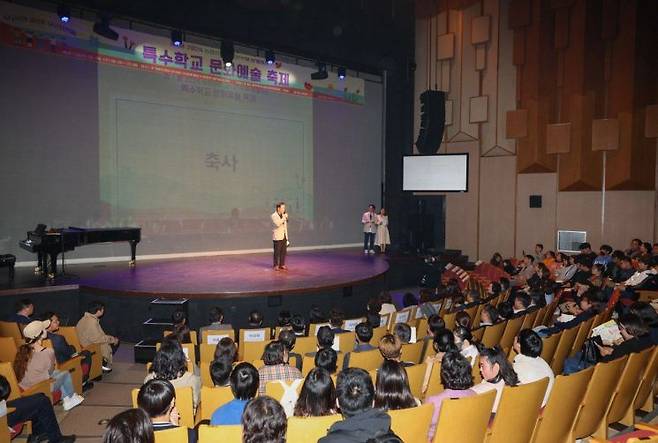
{"x":635,"y":335}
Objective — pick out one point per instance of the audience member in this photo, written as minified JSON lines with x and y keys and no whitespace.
{"x":181,"y":330}
{"x":489,"y":315}
{"x":463,"y":319}
{"x":36,"y":409}
{"x":90,"y":332}
{"x":216,"y":319}
{"x":318,"y":395}
{"x":35,"y":363}
{"x":264,"y":421}
{"x":255,"y":319}
{"x":392,"y":389}
{"x":649,"y":317}
{"x":326,"y":359}
{"x":226,"y":348}
{"x":361,"y":421}
{"x":425,"y":304}
{"x":390,"y":346}
{"x":283,"y":321}
{"x":288,"y":339}
{"x":409,"y":299}
{"x":336,"y":318}
{"x":497,"y":372}
{"x":372,"y":315}
{"x":496,"y":260}
{"x":387,"y":303}
{"x":298,"y":325}
{"x":363,"y":336}
{"x":521,"y":304}
{"x":325,"y":338}
{"x":605,"y":256}
{"x":457,"y":381}
{"x":158,"y":399}
{"x":275,"y":357}
{"x":24,"y":310}
{"x":130,"y":426}
{"x":634,"y":250}
{"x":63,"y":350}
{"x":170,"y":364}
{"x":444,"y":341}
{"x":505,"y":311}
{"x":586,"y":251}
{"x":528,"y":364}
{"x":316,"y":315}
{"x":220,"y":371}
{"x":403,"y":331}
{"x":635,"y":335}
{"x":465,"y":344}
{"x":244,"y":382}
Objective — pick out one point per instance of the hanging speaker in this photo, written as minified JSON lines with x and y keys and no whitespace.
{"x":432,"y":121}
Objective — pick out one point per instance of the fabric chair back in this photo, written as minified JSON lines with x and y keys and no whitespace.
{"x":212,"y":398}
{"x":450,"y":320}
{"x":11,"y":329}
{"x":7,"y":371}
{"x":367,"y":360}
{"x":420,"y":416}
{"x":252,"y":350}
{"x":583,"y":332}
{"x":598,"y":397}
{"x":225,"y":434}
{"x":415,"y":374}
{"x":629,"y":383}
{"x":434,"y":385}
{"x":450,"y":425}
{"x":643,"y":399}
{"x":193,"y":336}
{"x":412,"y":351}
{"x":304,"y":345}
{"x":377,"y":334}
{"x":71,"y":336}
{"x":512,"y":329}
{"x":213,"y":336}
{"x":174,"y":435}
{"x":492,"y":334}
{"x":561,"y":410}
{"x":309,"y":429}
{"x":517,"y":412}
{"x":346,"y":341}
{"x":549,"y":345}
{"x":563,"y":349}
{"x":8,"y":349}
{"x":529,"y":319}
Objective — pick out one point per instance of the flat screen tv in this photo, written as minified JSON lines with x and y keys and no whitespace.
{"x":436,"y":173}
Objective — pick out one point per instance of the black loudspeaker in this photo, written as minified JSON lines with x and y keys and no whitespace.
{"x":535,"y":201}
{"x":432,"y":121}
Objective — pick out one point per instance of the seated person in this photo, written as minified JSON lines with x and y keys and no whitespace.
{"x":361,"y":421}
{"x":403,"y":332}
{"x":220,"y":372}
{"x":649,"y":318}
{"x":37,"y":409}
{"x":505,"y":311}
{"x":288,"y":339}
{"x":390,"y":347}
{"x":409,"y":299}
{"x":336,"y":318}
{"x":387,"y":303}
{"x":623,"y":271}
{"x":244,"y":385}
{"x":372,"y":315}
{"x":35,"y":363}
{"x":521,"y":304}
{"x":457,"y":381}
{"x":24,"y":310}
{"x":466,"y":344}
{"x":635,"y":338}
{"x":181,"y":330}
{"x":493,"y":291}
{"x":318,"y":395}
{"x":63,"y":350}
{"x":158,"y":399}
{"x":363,"y":336}
{"x":581,"y":311}
{"x":392,"y":391}
{"x":444,"y":342}
{"x":255,"y":320}
{"x":170,"y":364}
{"x":489,"y":315}
{"x":497,"y":372}
{"x":264,"y":420}
{"x":316,"y":315}
{"x":283,"y":321}
{"x":131,"y":425}
{"x":463,"y":319}
{"x":216,"y":319}
{"x":298,"y":325}
{"x":326,"y":359}
{"x":90,"y":332}
{"x":325,"y":338}
{"x":528,"y":364}
{"x":276,"y":368}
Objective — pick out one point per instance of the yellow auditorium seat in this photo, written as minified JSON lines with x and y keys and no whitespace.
{"x":223,"y":434}
{"x":583,"y":332}
{"x":212,"y":398}
{"x":561,"y":410}
{"x":212,"y":336}
{"x":412,"y":424}
{"x":517,"y":413}
{"x":450,"y":425}
{"x":174,"y":435}
{"x":309,"y":429}
{"x":193,"y":336}
{"x":563,"y":349}
{"x":367,"y":360}
{"x":492,"y":334}
{"x":7,"y":371}
{"x":8,"y":349}
{"x":549,"y":345}
{"x":644,"y":398}
{"x":512,"y":329}
{"x":412,"y":351}
{"x":71,"y":336}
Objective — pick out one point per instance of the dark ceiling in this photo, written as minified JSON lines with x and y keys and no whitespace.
{"x":365,"y":35}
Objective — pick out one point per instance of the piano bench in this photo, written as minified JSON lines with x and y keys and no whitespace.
{"x":8,"y":261}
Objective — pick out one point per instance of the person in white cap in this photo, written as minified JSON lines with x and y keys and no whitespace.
{"x":35,"y":363}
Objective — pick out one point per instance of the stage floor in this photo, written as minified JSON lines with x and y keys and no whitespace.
{"x":226,"y":276}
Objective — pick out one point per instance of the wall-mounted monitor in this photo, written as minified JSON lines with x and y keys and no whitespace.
{"x":436,"y":173}
{"x":569,"y":241}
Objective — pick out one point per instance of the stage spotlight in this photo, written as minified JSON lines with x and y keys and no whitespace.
{"x":270,"y":58}
{"x":227,"y":52}
{"x":341,"y":73}
{"x":177,"y":37}
{"x":321,"y":73}
{"x":102,"y":28}
{"x":64,"y":13}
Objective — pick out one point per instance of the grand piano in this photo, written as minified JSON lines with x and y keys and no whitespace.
{"x":50,"y":243}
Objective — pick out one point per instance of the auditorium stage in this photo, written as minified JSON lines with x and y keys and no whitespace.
{"x":343,"y":278}
{"x":224,"y":276}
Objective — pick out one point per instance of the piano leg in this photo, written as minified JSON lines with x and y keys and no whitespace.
{"x":53,"y":266}
{"x":133,"y":251}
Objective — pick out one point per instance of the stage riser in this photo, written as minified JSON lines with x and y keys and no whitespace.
{"x":125,"y":314}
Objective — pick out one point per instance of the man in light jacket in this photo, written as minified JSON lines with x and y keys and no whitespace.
{"x":369,"y":222}
{"x":280,"y":236}
{"x":90,"y":331}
